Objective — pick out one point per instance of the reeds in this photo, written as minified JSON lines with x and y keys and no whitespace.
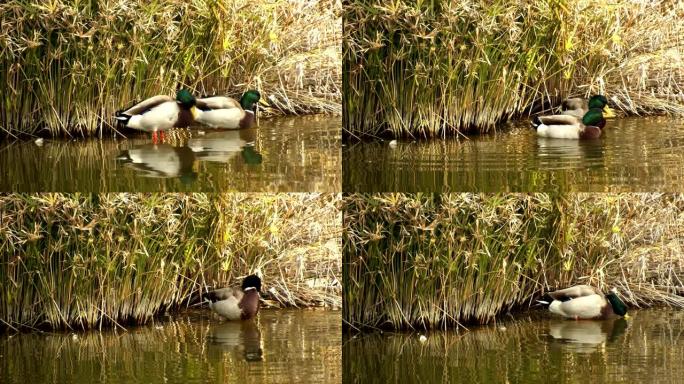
{"x":68,"y":65}
{"x":433,"y":68}
{"x":85,"y":260}
{"x":431,"y":260}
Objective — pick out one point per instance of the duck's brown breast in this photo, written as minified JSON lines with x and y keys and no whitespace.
{"x":590,"y":132}
{"x":249,"y":304}
{"x":185,"y":118}
{"x":247,"y":121}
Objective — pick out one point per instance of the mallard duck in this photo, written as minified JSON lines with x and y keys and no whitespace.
{"x":160,"y":113}
{"x":578,"y":106}
{"x":585,"y":302}
{"x":237,"y":303}
{"x":570,"y":127}
{"x":224,"y":112}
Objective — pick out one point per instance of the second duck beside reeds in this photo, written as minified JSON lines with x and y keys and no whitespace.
{"x":585,"y":302}
{"x":578,"y":106}
{"x":570,"y":127}
{"x":160,"y":113}
{"x":236,"y":303}
{"x":227,"y":113}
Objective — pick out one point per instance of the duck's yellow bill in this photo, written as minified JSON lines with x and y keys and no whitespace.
{"x":608,"y":112}
{"x":626,"y":316}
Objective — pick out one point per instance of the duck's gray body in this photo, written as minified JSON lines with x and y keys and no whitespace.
{"x":585,"y":302}
{"x":223,"y":112}
{"x":158,"y":113}
{"x":234,"y":303}
{"x":575,"y":106}
{"x":237,"y":303}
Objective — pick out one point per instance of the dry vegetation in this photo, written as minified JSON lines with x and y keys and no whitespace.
{"x":432,"y":260}
{"x":442,"y":67}
{"x":67,"y":65}
{"x":97,"y":259}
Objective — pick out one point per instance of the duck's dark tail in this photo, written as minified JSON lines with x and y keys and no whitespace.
{"x":536,"y":122}
{"x":210,"y":296}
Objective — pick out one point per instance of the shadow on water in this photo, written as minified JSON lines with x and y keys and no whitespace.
{"x":284,"y":154}
{"x":634,"y":154}
{"x":535,"y":348}
{"x":282,"y":346}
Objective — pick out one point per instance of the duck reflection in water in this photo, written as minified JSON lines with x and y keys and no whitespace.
{"x":161,"y":160}
{"x":222,"y":146}
{"x":238,"y":337}
{"x":166,"y":161}
{"x":586,"y":336}
{"x":553,"y":153}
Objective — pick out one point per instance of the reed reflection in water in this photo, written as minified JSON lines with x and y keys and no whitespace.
{"x":301,"y":154}
{"x":633,"y":154}
{"x":280,"y":346}
{"x":534,"y":348}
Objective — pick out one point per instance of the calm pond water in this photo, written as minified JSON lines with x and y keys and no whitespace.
{"x":633,"y":154}
{"x":282,"y":154}
{"x":283,"y":346}
{"x":536,"y":348}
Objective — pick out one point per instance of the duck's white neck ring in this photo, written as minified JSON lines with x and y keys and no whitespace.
{"x":249,"y":289}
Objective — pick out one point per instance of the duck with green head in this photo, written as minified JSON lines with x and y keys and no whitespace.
{"x":578,"y":106}
{"x":570,"y":127}
{"x":582,"y":302}
{"x":159,"y":113}
{"x":226,"y":113}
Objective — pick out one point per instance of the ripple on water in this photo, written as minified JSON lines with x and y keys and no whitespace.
{"x":634,"y":154}
{"x":285,"y":154}
{"x":283,"y":346}
{"x":648,"y":347}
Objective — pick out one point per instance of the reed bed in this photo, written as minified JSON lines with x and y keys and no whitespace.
{"x":87,"y":260}
{"x":424,"y":69}
{"x":440,"y":260}
{"x":68,"y":65}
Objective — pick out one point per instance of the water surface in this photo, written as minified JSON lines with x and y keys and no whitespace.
{"x":282,"y":346}
{"x":283,"y":154}
{"x":633,"y":154}
{"x":535,"y":348}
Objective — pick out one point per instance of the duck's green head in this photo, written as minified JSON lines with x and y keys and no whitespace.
{"x":250,"y":99}
{"x":594,"y":117}
{"x":185,"y":98}
{"x":600,"y":102}
{"x":619,"y":307}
